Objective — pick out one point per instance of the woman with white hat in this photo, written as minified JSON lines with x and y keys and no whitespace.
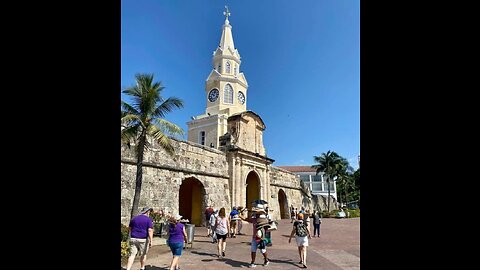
{"x":177,"y":236}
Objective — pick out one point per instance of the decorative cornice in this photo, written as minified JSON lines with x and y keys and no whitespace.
{"x":229,"y":79}
{"x":226,"y":56}
{"x":249,"y":153}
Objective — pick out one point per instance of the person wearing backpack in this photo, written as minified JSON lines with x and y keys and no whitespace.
{"x":213,"y":218}
{"x":302,"y":233}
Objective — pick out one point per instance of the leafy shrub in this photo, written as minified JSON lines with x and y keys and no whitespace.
{"x":353,"y":213}
{"x":125,"y":245}
{"x":158,"y":216}
{"x":157,"y":229}
{"x":125,"y":232}
{"x":325,"y":214}
{"x":334,"y":213}
{"x":125,"y":251}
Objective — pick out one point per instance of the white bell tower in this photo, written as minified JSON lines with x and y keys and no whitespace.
{"x":225,"y":92}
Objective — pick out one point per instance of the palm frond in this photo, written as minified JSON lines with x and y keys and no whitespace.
{"x":165,"y":143}
{"x":167,"y":127}
{"x":167,"y":106}
{"x":127,"y":108}
{"x":129,"y":134}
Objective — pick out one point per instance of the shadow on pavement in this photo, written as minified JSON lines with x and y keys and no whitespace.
{"x":204,"y":253}
{"x":286,"y":262}
{"x":234,"y":263}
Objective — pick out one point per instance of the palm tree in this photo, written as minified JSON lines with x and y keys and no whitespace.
{"x":144,"y":119}
{"x":344,"y":173}
{"x":327,"y":163}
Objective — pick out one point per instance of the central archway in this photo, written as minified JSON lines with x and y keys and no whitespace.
{"x":253,"y":189}
{"x":283,"y":204}
{"x":190,"y":200}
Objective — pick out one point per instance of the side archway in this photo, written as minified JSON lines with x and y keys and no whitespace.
{"x":283,"y":204}
{"x":253,"y":188}
{"x":190,"y":200}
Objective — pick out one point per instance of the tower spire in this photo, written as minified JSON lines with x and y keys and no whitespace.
{"x":227,"y":39}
{"x":226,"y":13}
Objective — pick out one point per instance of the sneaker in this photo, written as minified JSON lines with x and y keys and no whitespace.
{"x":266,"y":263}
{"x":304,"y":266}
{"x":252,"y":265}
{"x":223,"y":253}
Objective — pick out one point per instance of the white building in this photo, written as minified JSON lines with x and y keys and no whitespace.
{"x":316,"y":183}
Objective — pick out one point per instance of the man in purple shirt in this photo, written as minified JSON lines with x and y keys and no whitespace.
{"x":141,"y":235}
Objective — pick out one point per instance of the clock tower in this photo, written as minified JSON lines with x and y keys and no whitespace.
{"x":225,"y":92}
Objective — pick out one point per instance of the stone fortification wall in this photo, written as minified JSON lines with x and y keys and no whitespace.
{"x":163,"y":174}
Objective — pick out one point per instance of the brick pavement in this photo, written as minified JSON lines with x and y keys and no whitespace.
{"x":338,"y":248}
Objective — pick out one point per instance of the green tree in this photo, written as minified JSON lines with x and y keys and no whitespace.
{"x":328,"y":164}
{"x":344,"y":172}
{"x":356,"y":177}
{"x":144,"y":119}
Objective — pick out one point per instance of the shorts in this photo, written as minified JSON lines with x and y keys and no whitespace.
{"x":302,"y":241}
{"x":254,"y":246}
{"x":138,"y":245}
{"x":222,"y":236}
{"x":176,"y":248}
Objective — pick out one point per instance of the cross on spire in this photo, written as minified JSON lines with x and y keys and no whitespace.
{"x":226,"y":13}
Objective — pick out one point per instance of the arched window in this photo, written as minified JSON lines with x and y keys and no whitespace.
{"x":228,"y":94}
{"x":219,"y":69}
{"x":227,"y":67}
{"x":235,"y":70}
{"x":201,"y":138}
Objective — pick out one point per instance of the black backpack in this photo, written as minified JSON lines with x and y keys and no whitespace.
{"x":301,"y":229}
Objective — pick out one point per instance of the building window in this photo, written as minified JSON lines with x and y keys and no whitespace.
{"x":228,"y":94}
{"x":235,"y":73}
{"x":219,"y":69}
{"x":201,"y":138}
{"x":316,"y":187}
{"x":227,"y":67}
{"x":305,"y":178}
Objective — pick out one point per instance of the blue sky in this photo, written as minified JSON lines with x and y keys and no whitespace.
{"x":301,"y":60}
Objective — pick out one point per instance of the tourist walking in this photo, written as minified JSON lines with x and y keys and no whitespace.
{"x":258,"y":238}
{"x":317,"y":220}
{"x":213,"y":219}
{"x":208,"y":212}
{"x":222,"y":227}
{"x":242,"y":211}
{"x":234,"y":217}
{"x":306,"y":219}
{"x":301,"y":233}
{"x":141,"y":235}
{"x":293,"y":214}
{"x":177,"y":236}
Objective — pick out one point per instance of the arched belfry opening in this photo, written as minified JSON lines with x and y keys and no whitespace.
{"x":253,"y":188}
{"x":283,"y":204}
{"x":190,"y":200}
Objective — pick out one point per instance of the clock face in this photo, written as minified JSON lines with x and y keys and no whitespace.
{"x":213,"y":95}
{"x":241,"y":97}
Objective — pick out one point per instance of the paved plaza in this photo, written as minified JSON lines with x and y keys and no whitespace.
{"x":338,"y":248}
